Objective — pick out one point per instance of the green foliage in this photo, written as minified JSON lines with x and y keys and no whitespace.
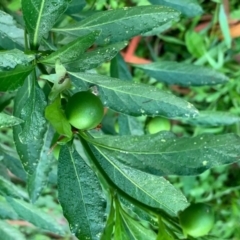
{"x":117,"y":181}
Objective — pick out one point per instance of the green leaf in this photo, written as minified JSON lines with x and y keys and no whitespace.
{"x":72,"y":51}
{"x":136,"y":229}
{"x":80,"y":195}
{"x":183,"y":74}
{"x":162,"y":231}
{"x":29,"y":106}
{"x":94,"y":58}
{"x":30,"y":213}
{"x":122,"y":24}
{"x":7,"y":188}
{"x":213,"y":118}
{"x":40,"y":16}
{"x":6,"y":211}
{"x":14,"y":165}
{"x":142,"y":186}
{"x":13,"y":79}
{"x":109,"y":227}
{"x":119,"y":68}
{"x":195,"y":43}
{"x":164,"y":154}
{"x":76,"y":6}
{"x":9,"y":232}
{"x":189,"y":8}
{"x":224,"y":25}
{"x":136,"y":98}
{"x":11,"y":36}
{"x":55,"y":115}
{"x":120,"y":232}
{"x":39,"y":179}
{"x":129,"y":125}
{"x":11,"y":58}
{"x":8,"y":121}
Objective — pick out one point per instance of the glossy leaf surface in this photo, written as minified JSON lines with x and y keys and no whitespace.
{"x":183,"y":74}
{"x":40,"y":16}
{"x":122,"y":24}
{"x":13,"y":79}
{"x":8,"y":121}
{"x":80,"y":195}
{"x":137,"y":99}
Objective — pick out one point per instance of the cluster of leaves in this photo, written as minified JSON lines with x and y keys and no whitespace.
{"x":109,"y":185}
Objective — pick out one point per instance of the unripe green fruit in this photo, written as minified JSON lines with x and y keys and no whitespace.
{"x":84,"y":110}
{"x":197,"y":220}
{"x":158,"y":124}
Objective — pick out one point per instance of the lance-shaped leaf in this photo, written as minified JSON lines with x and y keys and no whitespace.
{"x":40,"y":16}
{"x":72,"y":51}
{"x":182,"y":73}
{"x":129,"y":125}
{"x":8,"y":121}
{"x":6,"y":211}
{"x":13,"y":164}
{"x":151,"y":190}
{"x":136,"y":229}
{"x":29,"y":106}
{"x":189,"y":8}
{"x":94,"y":58}
{"x":10,"y":232}
{"x":55,"y":115}
{"x":7,"y":188}
{"x":122,"y":24}
{"x":80,"y":195}
{"x":119,"y":68}
{"x":11,"y":36}
{"x":213,"y":118}
{"x":39,"y":179}
{"x":13,"y":79}
{"x":35,"y":216}
{"x":160,"y":154}
{"x":11,"y":58}
{"x":137,"y":99}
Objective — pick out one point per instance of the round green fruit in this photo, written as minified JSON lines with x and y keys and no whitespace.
{"x":197,"y":220}
{"x":158,"y":124}
{"x":84,"y":110}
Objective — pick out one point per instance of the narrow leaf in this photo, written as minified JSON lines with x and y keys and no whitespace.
{"x":72,"y":51}
{"x":162,"y":154}
{"x":151,"y":190}
{"x":119,"y":68}
{"x":35,"y":216}
{"x":213,"y":118}
{"x":38,"y":180}
{"x":129,"y":125}
{"x":223,"y":20}
{"x":29,"y":106}
{"x":8,"y":121}
{"x":136,"y":98}
{"x":11,"y":80}
{"x":55,"y":115}
{"x":11,"y":36}
{"x":136,"y":229}
{"x":9,"y":232}
{"x":190,"y":8}
{"x":183,"y":74}
{"x":122,"y":24}
{"x":11,"y":58}
{"x":7,"y":188}
{"x":6,"y":211}
{"x":80,"y":195}
{"x":40,"y":16}
{"x":94,"y":58}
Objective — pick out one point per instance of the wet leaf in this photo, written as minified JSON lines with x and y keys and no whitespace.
{"x":137,"y":99}
{"x":80,"y":195}
{"x":122,"y":24}
{"x":183,"y":74}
